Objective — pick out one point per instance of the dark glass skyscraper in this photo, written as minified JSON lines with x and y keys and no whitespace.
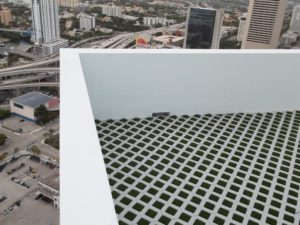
{"x":203,"y":28}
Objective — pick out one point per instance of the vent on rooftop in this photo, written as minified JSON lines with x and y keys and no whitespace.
{"x":160,"y":114}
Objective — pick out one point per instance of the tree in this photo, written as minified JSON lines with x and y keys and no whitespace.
{"x":49,"y":135}
{"x":4,"y":113}
{"x":226,"y":44}
{"x":41,"y":114}
{"x":16,"y":150}
{"x":35,"y":150}
{"x":3,"y":156}
{"x":3,"y":138}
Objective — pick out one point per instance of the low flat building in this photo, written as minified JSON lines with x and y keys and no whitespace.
{"x":128,"y":17}
{"x":24,"y":106}
{"x":289,"y":38}
{"x":49,"y":190}
{"x":169,"y":40}
{"x":104,"y":30}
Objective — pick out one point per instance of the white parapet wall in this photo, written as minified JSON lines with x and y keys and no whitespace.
{"x":139,"y":84}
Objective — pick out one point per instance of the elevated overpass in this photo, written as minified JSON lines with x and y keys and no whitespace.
{"x":26,"y":79}
{"x":123,"y":40}
{"x":30,"y":71}
{"x":16,"y":30}
{"x":130,"y":38}
{"x":22,"y":53}
{"x":54,"y":58}
{"x":22,"y":32}
{"x":42,"y":62}
{"x":85,"y":42}
{"x":41,"y":84}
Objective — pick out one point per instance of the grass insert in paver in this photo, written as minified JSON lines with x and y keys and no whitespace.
{"x":196,"y":169}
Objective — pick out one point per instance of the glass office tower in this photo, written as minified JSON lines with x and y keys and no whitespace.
{"x":203,"y":28}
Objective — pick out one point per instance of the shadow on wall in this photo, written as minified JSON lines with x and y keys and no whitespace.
{"x":122,"y":85}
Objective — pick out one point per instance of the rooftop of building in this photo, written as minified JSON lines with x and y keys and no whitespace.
{"x":57,"y":42}
{"x":212,"y":169}
{"x":52,"y":181}
{"x":167,"y":38}
{"x":32,"y":99}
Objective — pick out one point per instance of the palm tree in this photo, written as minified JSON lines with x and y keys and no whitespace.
{"x":35,"y":150}
{"x":49,"y":135}
{"x":16,"y":150}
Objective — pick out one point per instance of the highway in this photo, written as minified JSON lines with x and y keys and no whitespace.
{"x":22,"y":53}
{"x":108,"y":43}
{"x":27,"y":79}
{"x":29,"y":71}
{"x":41,"y":84}
{"x":37,"y":63}
{"x":14,"y":30}
{"x":85,"y":42}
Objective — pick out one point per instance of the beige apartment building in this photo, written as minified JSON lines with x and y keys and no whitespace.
{"x":263,"y":24}
{"x":5,"y":16}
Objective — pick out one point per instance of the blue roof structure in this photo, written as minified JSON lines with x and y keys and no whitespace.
{"x":32,"y":99}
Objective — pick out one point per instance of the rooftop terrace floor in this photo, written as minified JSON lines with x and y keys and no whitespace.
{"x":210,"y":169}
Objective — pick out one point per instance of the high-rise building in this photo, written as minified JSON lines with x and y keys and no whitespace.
{"x":115,"y":11}
{"x":87,"y":22}
{"x":203,"y":28}
{"x":241,"y":30}
{"x":295,"y":21}
{"x":5,"y":16}
{"x":45,"y":21}
{"x":263,"y":24}
{"x":69,"y":3}
{"x":45,"y":24}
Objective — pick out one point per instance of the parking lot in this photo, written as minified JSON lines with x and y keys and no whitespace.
{"x":18,"y":182}
{"x":32,"y":212}
{"x":19,"y":125}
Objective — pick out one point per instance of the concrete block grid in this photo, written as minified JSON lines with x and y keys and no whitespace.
{"x":211,"y":169}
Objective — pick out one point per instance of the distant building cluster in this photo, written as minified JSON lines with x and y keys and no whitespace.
{"x":5,"y":16}
{"x":87,"y":22}
{"x":259,"y":28}
{"x":152,"y":21}
{"x":114,"y":11}
{"x":69,"y":3}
